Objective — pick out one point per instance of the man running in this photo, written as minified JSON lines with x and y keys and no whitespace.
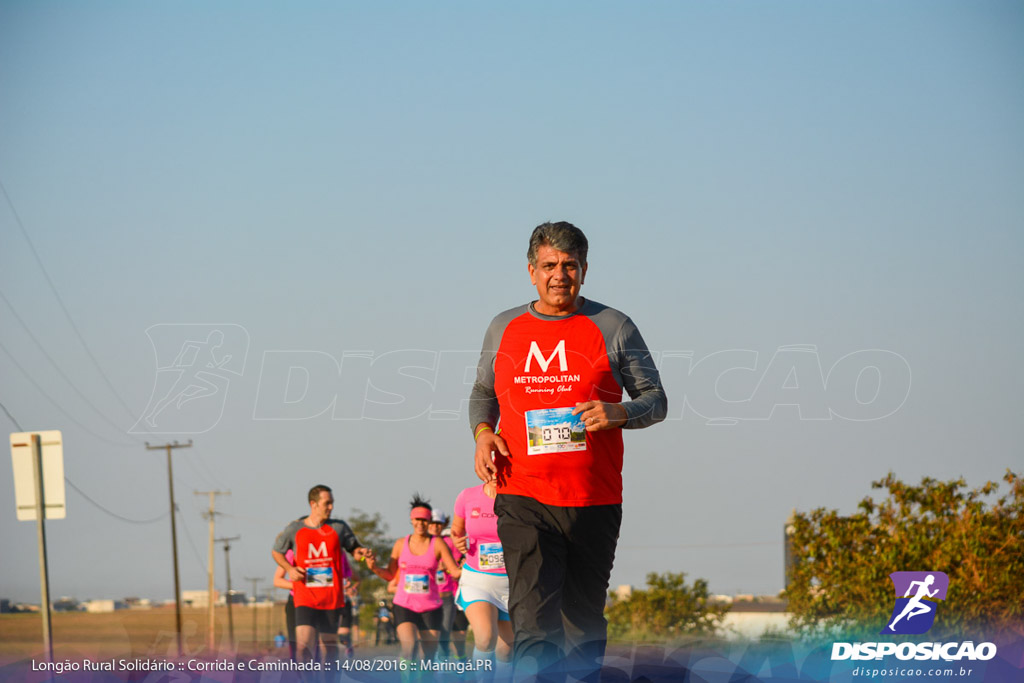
{"x":554,"y":372}
{"x":317,"y":575}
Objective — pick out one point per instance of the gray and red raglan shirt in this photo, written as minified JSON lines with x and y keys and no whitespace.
{"x":533,"y":370}
{"x":320,"y":552}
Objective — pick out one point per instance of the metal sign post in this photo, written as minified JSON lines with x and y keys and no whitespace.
{"x":44,"y":573}
{"x":35,"y":499}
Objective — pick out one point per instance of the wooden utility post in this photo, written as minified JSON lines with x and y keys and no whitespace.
{"x":255,"y":601}
{"x":211,"y":642}
{"x":174,"y":534}
{"x":227,"y":568}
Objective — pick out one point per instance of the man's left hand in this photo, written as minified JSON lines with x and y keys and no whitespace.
{"x":598,"y":415}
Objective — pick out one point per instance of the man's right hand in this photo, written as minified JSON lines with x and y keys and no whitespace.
{"x":296,"y":574}
{"x":487,"y":444}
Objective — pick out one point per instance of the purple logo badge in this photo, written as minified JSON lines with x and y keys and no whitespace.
{"x":916,"y":596}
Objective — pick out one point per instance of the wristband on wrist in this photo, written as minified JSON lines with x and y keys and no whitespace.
{"x":481,"y":431}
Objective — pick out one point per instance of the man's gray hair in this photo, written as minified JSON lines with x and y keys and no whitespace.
{"x":562,"y":236}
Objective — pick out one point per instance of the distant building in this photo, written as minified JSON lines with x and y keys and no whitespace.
{"x":66,"y":605}
{"x":237,"y":597}
{"x":753,"y":616}
{"x":138,"y":603}
{"x":199,"y":599}
{"x":101,"y":606}
{"x":5,"y":606}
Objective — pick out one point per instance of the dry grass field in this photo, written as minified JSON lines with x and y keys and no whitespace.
{"x":137,"y":633}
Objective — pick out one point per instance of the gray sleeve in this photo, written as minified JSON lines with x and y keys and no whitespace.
{"x":483,"y":401}
{"x":285,"y":540}
{"x":346,"y":536}
{"x":632,"y":362}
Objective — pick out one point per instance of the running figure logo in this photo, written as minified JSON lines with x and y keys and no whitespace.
{"x":194,"y":368}
{"x":916,"y":595}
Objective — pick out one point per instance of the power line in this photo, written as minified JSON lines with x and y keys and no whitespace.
{"x":56,"y":405}
{"x":82,"y":493}
{"x":202,"y":473}
{"x":53,"y":288}
{"x":56,"y":367}
{"x":202,"y":466}
{"x":195,"y":550}
{"x":11,"y":416}
{"x":113,"y":514}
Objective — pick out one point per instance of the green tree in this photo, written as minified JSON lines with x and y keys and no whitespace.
{"x":842,"y":563}
{"x":668,"y":608}
{"x":372,"y":532}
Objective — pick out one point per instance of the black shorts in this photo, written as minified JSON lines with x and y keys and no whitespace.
{"x":323,"y":620}
{"x":424,"y":621}
{"x":345,"y":616}
{"x":461,"y":621}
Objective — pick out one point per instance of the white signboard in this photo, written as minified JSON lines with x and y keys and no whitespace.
{"x":22,"y":454}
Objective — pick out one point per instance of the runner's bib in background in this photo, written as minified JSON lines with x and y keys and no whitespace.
{"x":417,"y":584}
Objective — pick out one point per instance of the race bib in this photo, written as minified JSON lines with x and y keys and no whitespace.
{"x":417,"y":584}
{"x":319,"y":577}
{"x":554,"y":430}
{"x":492,"y":556}
{"x":440,"y":576}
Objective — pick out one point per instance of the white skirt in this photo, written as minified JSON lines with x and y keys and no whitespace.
{"x":477,"y":586}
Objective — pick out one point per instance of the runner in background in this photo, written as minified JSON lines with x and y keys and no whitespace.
{"x":384,"y":622}
{"x":281,"y":581}
{"x":319,"y":543}
{"x":414,"y":561}
{"x":356,"y":602}
{"x":454,"y":624}
{"x":347,"y":614}
{"x":483,"y":588}
{"x":438,"y":521}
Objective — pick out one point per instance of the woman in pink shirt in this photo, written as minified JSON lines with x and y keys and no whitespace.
{"x":414,"y":561}
{"x":483,"y":588}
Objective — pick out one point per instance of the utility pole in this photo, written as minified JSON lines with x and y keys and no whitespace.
{"x":255,"y":601}
{"x":227,"y":568}
{"x":174,"y":533}
{"x":211,"y":643}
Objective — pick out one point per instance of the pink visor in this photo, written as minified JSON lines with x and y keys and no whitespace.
{"x":420,"y":513}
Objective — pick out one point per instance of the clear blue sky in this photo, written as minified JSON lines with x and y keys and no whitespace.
{"x":333,"y":178}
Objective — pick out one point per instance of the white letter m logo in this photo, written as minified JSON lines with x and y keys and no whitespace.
{"x":318,"y":552}
{"x":545,"y":362}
